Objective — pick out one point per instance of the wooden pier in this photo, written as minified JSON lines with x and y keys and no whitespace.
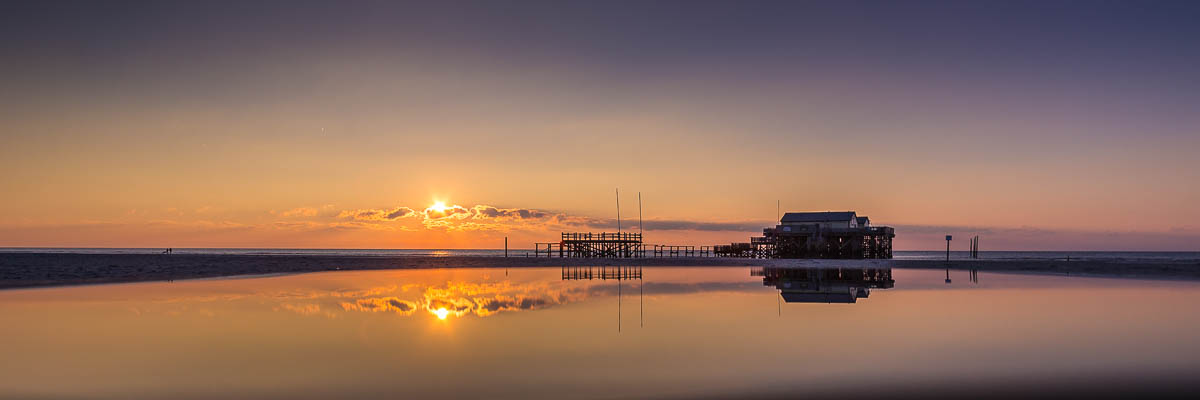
{"x":669,"y":251}
{"x":736,"y":250}
{"x":842,"y":235}
{"x":593,"y":245}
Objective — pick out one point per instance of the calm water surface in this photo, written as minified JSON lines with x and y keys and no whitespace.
{"x":899,"y":254}
{"x":551,"y":332}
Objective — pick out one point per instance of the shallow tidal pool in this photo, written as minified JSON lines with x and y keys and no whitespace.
{"x":580,"y":332}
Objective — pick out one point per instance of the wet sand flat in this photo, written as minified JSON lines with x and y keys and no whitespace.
{"x":51,"y":269}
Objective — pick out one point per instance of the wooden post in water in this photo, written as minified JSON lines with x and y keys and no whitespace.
{"x":506,"y":246}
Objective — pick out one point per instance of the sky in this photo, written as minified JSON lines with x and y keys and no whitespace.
{"x":1038,"y":125}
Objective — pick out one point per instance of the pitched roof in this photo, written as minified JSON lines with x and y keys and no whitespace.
{"x":826,"y":216}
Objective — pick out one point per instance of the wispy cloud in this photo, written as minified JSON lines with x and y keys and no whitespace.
{"x":483,"y":299}
{"x":500,"y":214}
{"x":201,"y":224}
{"x":381,"y":304}
{"x":483,"y":217}
{"x":302,"y":309}
{"x":378,"y":214}
{"x":454,"y":211}
{"x":299,"y":212}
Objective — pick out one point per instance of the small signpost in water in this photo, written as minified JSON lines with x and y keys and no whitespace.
{"x":948,"y":237}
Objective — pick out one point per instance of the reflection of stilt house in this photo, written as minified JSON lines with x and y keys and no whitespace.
{"x":825,"y":285}
{"x":817,"y":235}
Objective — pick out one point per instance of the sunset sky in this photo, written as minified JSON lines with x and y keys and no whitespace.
{"x":1040,"y":125}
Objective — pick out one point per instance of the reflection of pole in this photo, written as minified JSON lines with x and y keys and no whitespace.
{"x":641,"y":304}
{"x":947,"y":275}
{"x":618,"y":304}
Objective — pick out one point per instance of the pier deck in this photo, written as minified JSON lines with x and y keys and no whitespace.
{"x":593,"y":245}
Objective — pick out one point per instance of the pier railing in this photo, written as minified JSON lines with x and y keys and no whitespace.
{"x":614,"y":245}
{"x":593,"y":245}
{"x":668,"y":251}
{"x":625,"y":237}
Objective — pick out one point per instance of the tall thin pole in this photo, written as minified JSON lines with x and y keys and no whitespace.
{"x":639,"y":212}
{"x":618,"y":210}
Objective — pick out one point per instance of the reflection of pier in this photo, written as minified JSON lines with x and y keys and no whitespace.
{"x":618,"y":273}
{"x":602,"y":273}
{"x":825,"y":285}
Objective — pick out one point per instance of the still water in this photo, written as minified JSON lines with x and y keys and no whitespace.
{"x":899,"y":254}
{"x":583,"y":333}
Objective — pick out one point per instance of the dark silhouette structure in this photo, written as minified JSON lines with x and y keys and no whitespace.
{"x":593,"y":245}
{"x":816,"y":235}
{"x":825,"y":285}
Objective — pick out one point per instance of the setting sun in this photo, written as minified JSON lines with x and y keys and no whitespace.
{"x":438,"y":206}
{"x":441,"y":313}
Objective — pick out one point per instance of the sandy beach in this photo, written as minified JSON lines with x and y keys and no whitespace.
{"x":18,"y":270}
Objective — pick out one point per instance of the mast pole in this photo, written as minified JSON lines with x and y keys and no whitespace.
{"x":618,"y":211}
